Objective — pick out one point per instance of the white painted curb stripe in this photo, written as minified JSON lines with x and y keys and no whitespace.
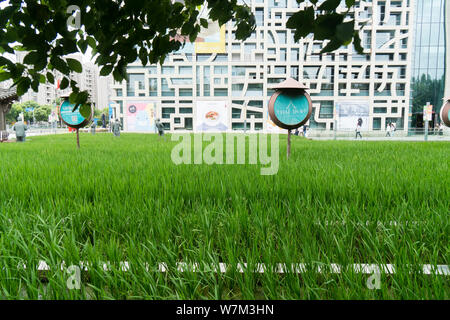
{"x":363,"y":268}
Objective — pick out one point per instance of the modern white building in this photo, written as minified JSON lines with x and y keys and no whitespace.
{"x":240,"y":74}
{"x":104,"y":89}
{"x":87,"y":80}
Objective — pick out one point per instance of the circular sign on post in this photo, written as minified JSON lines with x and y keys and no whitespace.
{"x":445,"y":113}
{"x":290,"y":108}
{"x":75,"y":119}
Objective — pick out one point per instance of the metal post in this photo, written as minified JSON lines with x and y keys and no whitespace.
{"x":245,"y":119}
{"x":289,"y":144}
{"x":425,"y":118}
{"x":78,"y":138}
{"x":335,"y":128}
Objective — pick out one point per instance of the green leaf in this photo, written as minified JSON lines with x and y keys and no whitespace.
{"x":344,"y":31}
{"x":42,"y":78}
{"x":82,"y":44}
{"x":92,"y":43}
{"x":59,"y":64}
{"x":23,"y":86}
{"x":357,"y":43}
{"x":73,"y":97}
{"x":204,"y":23}
{"x":333,"y":45}
{"x":143,"y":56}
{"x":118,"y":75}
{"x":86,"y":111}
{"x":330,"y":5}
{"x":75,"y":65}
{"x":4,"y":76}
{"x":64,"y":83}
{"x":50,"y":77}
{"x":5,"y":62}
{"x":31,"y":58}
{"x":82,"y":97}
{"x":35,"y":85}
{"x":325,"y":25}
{"x":106,"y":70}
{"x":302,"y":22}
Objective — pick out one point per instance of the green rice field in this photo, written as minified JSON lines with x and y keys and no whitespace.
{"x":123,"y":200}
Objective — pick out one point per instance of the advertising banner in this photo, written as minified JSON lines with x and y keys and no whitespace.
{"x":141,"y":116}
{"x":211,"y":116}
{"x":349,"y":112}
{"x":428,"y":113}
{"x":271,"y":127}
{"x":209,"y":40}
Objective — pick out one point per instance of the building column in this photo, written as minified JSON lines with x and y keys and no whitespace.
{"x":447,"y":49}
{"x":2,"y":118}
{"x":4,"y":109}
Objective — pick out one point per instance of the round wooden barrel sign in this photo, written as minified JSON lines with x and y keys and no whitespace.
{"x":445,"y":113}
{"x":75,"y":119}
{"x":290,"y":108}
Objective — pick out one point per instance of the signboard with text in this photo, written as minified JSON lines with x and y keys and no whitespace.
{"x":290,"y":108}
{"x":75,"y":118}
{"x":428,"y":113}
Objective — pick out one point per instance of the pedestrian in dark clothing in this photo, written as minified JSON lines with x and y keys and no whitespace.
{"x":116,"y":126}
{"x":358,"y":129}
{"x":20,"y":128}
{"x":160,"y":127}
{"x":93,"y":127}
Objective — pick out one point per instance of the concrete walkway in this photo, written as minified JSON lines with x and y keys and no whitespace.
{"x":410,"y":138}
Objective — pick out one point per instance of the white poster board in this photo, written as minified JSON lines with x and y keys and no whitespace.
{"x":348,"y":113}
{"x":141,"y":116}
{"x":211,"y":116}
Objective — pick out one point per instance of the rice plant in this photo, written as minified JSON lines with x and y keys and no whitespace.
{"x":124,"y":200}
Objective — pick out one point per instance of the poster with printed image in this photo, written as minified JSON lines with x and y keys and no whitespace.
{"x":349,"y":112}
{"x":209,"y":40}
{"x":211,"y":116}
{"x":271,"y":127}
{"x":141,"y":116}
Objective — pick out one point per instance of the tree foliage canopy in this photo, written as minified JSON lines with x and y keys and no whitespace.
{"x":425,"y":89}
{"x":41,"y":112}
{"x":121,"y":31}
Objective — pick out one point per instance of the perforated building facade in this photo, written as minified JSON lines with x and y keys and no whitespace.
{"x":243,"y":75}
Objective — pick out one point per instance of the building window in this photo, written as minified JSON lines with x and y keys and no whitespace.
{"x":153,"y":87}
{"x":165,"y":90}
{"x":133,"y":80}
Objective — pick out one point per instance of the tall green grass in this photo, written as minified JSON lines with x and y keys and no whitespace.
{"x":122,"y":199}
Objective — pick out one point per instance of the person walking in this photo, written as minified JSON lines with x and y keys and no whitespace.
{"x":393,"y":128}
{"x":304,"y":130}
{"x":93,"y":127}
{"x":116,"y":126}
{"x":358,"y":129}
{"x":388,"y":129}
{"x":103,"y":121}
{"x":441,"y":129}
{"x":160,"y":127}
{"x":20,"y":128}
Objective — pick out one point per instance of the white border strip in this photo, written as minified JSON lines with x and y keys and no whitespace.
{"x":363,"y":268}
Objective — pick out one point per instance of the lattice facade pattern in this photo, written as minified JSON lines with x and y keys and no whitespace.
{"x":244,"y":74}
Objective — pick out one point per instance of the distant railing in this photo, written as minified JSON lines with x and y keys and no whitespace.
{"x":412,"y":132}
